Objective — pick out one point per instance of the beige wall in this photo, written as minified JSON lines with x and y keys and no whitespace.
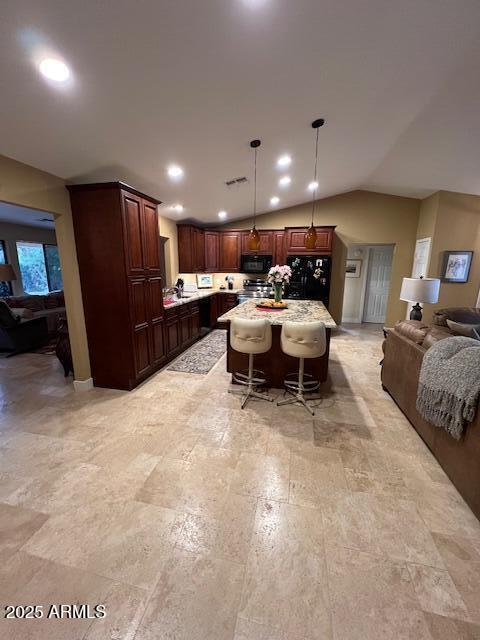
{"x":168,"y":229}
{"x":24,"y":185}
{"x":361,"y":217}
{"x":11,"y":234}
{"x":454,"y":219}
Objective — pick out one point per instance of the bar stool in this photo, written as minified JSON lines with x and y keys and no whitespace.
{"x":252,"y":337}
{"x":302,"y":340}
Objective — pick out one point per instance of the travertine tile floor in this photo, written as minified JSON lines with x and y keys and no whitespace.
{"x":192,"y":520}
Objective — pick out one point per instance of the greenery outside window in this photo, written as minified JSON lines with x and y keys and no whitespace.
{"x":39,"y":267}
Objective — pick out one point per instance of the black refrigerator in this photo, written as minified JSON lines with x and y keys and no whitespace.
{"x":310,"y":278}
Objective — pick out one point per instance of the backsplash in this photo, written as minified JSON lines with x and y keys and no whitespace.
{"x":219,"y":279}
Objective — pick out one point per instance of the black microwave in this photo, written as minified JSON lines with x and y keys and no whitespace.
{"x":256,"y":264}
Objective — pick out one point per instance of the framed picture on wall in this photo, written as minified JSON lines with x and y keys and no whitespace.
{"x":456,"y":266}
{"x":353,"y":268}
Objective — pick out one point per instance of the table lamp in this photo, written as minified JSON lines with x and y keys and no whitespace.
{"x":419,"y":290}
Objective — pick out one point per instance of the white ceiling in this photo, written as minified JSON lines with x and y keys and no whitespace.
{"x":14,"y":214}
{"x":192,"y":82}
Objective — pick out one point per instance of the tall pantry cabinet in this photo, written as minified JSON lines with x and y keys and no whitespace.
{"x":117,"y":239}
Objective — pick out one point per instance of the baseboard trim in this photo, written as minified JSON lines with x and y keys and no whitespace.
{"x":83,"y":385}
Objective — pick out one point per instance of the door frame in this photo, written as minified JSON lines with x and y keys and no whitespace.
{"x":363,"y":299}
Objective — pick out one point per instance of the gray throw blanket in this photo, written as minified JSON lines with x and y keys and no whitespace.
{"x":449,"y":385}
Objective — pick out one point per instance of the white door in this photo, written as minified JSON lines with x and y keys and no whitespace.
{"x":378,"y":284}
{"x":421,"y":260}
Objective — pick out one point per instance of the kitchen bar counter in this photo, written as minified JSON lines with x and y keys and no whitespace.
{"x":276,"y":364}
{"x":298,"y":311}
{"x":199,"y":295}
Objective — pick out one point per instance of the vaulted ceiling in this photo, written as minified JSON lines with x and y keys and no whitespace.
{"x":192,"y":82}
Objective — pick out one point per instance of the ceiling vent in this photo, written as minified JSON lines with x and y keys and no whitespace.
{"x":236,"y":182}
{"x":44,"y":220}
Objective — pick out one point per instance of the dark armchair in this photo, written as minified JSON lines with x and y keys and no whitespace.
{"x":17,"y":336}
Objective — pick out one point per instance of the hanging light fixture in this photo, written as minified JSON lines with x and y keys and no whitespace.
{"x":253,"y":236}
{"x":311,"y":235}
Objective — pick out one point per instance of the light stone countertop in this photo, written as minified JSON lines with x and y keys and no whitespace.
{"x":298,"y":311}
{"x":201,"y":293}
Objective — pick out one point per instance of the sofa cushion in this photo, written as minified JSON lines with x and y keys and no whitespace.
{"x":435,"y":334}
{"x":7,"y":317}
{"x":463,"y":329}
{"x":467,"y":315}
{"x":414,"y":330}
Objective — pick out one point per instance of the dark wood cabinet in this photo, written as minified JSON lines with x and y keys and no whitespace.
{"x":198,"y":250}
{"x":266,"y":243}
{"x":117,"y":239}
{"x":191,"y":249}
{"x":172,"y":332}
{"x":295,"y":240}
{"x":279,"y":253}
{"x":226,"y":301}
{"x":230,"y":247}
{"x":212,"y":251}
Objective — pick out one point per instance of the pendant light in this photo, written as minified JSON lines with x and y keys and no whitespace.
{"x":311,"y":235}
{"x":253,"y":236}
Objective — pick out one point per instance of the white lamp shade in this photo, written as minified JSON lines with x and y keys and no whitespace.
{"x":420,"y":290}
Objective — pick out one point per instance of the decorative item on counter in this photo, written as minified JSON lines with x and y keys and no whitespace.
{"x":311,"y":235}
{"x":253,"y":236}
{"x":317,"y":273}
{"x":279,"y":276}
{"x":179,"y":285}
{"x":204,"y":280}
{"x":229,"y":279}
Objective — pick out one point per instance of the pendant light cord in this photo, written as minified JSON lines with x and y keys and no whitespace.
{"x":255,"y":187}
{"x":315,"y":178}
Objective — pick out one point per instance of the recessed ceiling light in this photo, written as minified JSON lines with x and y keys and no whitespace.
{"x":274,"y":200}
{"x":284,"y":181}
{"x":54,"y":69}
{"x":222,"y":215}
{"x":284,"y":161}
{"x":177,"y":207}
{"x":174,"y":171}
{"x":313,"y":185}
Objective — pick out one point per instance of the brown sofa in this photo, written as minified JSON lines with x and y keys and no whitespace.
{"x":404,"y":348}
{"x":50,"y":306}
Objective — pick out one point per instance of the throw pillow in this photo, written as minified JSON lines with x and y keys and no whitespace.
{"x":23,"y":313}
{"x":462,"y":329}
{"x":7,"y":319}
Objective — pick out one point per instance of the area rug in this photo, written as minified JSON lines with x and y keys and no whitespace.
{"x":203,"y":355}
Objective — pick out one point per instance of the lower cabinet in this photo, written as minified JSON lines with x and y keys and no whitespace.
{"x":226,"y":301}
{"x":182,"y":328}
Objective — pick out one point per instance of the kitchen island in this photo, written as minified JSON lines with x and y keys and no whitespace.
{"x":276,"y":364}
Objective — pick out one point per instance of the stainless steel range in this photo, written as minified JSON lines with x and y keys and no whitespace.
{"x":255,"y":288}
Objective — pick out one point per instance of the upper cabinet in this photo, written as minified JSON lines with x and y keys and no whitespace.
{"x":212,"y":251}
{"x":140,"y":222}
{"x":266,"y":243}
{"x":295,"y":240}
{"x":279,"y":253}
{"x":191,"y":248}
{"x":230,"y":248}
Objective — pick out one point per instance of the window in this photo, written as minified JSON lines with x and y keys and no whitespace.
{"x":40,"y":267}
{"x":5,"y":287}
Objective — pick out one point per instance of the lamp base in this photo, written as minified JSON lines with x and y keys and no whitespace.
{"x":416,"y":312}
